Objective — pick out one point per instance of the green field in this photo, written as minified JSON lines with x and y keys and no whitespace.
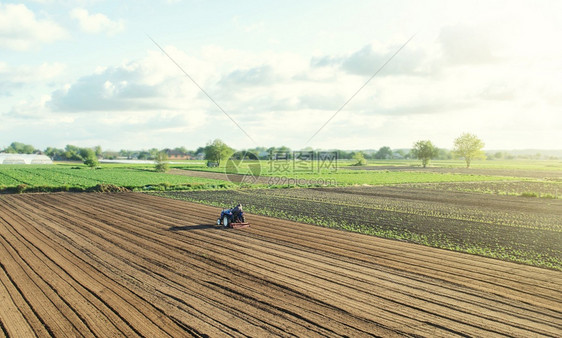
{"x":271,"y":167}
{"x":505,"y":227}
{"x":444,"y":207}
{"x":478,"y":164}
{"x":64,"y":177}
{"x":141,"y":177}
{"x":347,"y":177}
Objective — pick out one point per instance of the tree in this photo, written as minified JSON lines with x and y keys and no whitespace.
{"x":181,"y":150}
{"x":444,"y":154}
{"x":126,"y":153}
{"x":20,"y":148}
{"x":383,"y":153}
{"x":200,"y":150}
{"x":469,"y":147}
{"x":161,"y":161}
{"x":424,"y":151}
{"x":498,"y":155}
{"x":143,"y":155}
{"x":89,"y":156}
{"x":98,"y":151}
{"x":217,"y":150}
{"x":86,"y":152}
{"x":109,"y":155}
{"x":342,"y":154}
{"x":54,"y":153}
{"x":401,"y":153}
{"x":153,"y":153}
{"x":360,"y":158}
{"x":72,"y":153}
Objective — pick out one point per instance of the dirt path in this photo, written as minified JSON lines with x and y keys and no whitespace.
{"x":137,"y":265}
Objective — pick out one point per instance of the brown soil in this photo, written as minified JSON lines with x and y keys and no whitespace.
{"x":129,"y":264}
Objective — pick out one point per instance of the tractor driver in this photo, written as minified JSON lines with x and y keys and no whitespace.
{"x":236,"y":211}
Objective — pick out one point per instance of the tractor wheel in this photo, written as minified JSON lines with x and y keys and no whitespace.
{"x":219,"y":221}
{"x":225,"y":222}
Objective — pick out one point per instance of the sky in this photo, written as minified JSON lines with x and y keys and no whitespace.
{"x":272,"y":73}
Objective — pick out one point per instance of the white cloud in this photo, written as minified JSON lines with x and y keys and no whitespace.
{"x":28,"y":74}
{"x":96,"y":23}
{"x":15,"y":77}
{"x":30,"y":109}
{"x":21,"y":30}
{"x":115,"y":105}
{"x":256,"y":76}
{"x":148,"y":84}
{"x":367,"y":60}
{"x":467,"y":44}
{"x":458,"y":79}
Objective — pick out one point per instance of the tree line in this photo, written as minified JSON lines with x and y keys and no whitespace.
{"x":467,"y":146}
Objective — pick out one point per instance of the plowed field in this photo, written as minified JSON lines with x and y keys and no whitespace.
{"x":135,"y":265}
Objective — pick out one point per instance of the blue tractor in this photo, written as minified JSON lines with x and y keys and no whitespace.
{"x":233,"y":218}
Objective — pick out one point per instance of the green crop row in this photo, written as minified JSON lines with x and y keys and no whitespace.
{"x":525,"y":188}
{"x":470,"y":224}
{"x":371,"y":177}
{"x":62,"y":177}
{"x":78,"y":178}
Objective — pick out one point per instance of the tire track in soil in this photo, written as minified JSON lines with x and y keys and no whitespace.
{"x":295,"y":279}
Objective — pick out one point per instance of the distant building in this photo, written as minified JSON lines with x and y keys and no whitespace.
{"x":6,"y":158}
{"x":176,"y":155}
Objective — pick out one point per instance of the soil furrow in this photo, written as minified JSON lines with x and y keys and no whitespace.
{"x":144,"y":243}
{"x":129,"y":262}
{"x":10,"y":313}
{"x":118,"y":300}
{"x":92,"y":252}
{"x":53,"y":313}
{"x":255,"y":249}
{"x":132,"y":264}
{"x":412,"y":252}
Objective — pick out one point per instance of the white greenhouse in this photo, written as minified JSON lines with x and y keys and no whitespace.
{"x":24,"y":159}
